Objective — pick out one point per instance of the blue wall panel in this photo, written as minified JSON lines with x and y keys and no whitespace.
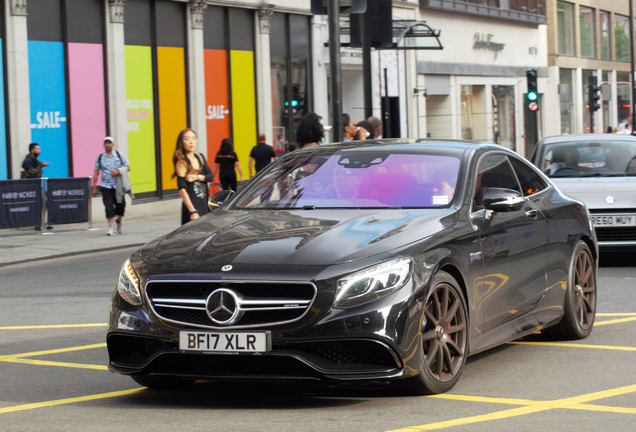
{"x":3,"y":130}
{"x":48,"y":105}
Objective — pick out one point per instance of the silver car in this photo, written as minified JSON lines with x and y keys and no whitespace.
{"x":599,"y":170}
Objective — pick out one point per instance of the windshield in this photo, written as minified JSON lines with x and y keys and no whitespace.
{"x":590,"y":158}
{"x":355,"y":179}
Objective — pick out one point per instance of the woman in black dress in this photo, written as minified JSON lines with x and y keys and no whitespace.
{"x":226,"y":161}
{"x":193,"y":175}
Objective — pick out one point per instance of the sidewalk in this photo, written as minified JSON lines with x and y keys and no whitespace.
{"x":23,"y":245}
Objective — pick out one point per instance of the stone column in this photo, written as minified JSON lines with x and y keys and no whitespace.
{"x":263,"y":74}
{"x":18,"y":84}
{"x":577,"y":92}
{"x":116,"y":63}
{"x":614,"y":120}
{"x":196,"y":63}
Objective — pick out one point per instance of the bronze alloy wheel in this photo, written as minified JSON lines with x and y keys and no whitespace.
{"x":584,"y":289}
{"x":444,"y":333}
{"x":444,"y":339}
{"x":579,"y":306}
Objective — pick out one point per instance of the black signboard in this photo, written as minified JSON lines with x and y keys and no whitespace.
{"x":20,"y":203}
{"x":67,"y":200}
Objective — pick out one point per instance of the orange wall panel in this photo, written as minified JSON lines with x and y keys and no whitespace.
{"x":172,"y":107}
{"x":217,"y":110}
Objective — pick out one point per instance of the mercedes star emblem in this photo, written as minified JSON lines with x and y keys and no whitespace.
{"x":226,"y":268}
{"x":223,"y":307}
{"x":609,"y":199}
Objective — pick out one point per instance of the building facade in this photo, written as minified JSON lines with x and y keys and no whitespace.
{"x":585,"y":38}
{"x":75,"y":71}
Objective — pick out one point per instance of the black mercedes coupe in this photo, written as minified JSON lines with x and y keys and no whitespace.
{"x":388,"y":260}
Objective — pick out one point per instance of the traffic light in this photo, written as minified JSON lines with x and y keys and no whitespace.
{"x":593,"y":95}
{"x":533,"y":92}
{"x":319,"y":7}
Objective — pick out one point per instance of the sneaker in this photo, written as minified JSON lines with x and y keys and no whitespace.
{"x":119,"y":230}
{"x":111,"y":232}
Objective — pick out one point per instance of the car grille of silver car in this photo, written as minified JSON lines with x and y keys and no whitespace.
{"x":259,"y":303}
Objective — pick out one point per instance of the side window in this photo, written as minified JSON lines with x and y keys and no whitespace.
{"x":494,"y":171}
{"x":531,"y":182}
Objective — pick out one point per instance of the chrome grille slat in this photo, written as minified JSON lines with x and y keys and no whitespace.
{"x":262,"y":303}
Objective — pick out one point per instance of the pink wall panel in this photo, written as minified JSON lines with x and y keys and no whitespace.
{"x":87,"y":105}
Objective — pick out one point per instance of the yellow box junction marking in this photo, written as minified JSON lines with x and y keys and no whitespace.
{"x":69,"y":400}
{"x":19,"y":358}
{"x":52,"y":326}
{"x":576,"y":402}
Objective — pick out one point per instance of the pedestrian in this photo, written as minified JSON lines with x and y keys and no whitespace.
{"x":609,"y":130}
{"x":376,"y":123}
{"x":193,"y":175}
{"x":262,"y":153}
{"x":32,"y":167}
{"x":348,"y":128}
{"x":112,"y":164}
{"x":310,"y":131}
{"x":226,"y":165}
{"x":364,"y":131}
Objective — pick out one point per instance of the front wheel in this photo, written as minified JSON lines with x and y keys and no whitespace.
{"x":444,"y":339}
{"x":580,"y":298}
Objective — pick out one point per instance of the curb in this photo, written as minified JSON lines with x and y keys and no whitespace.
{"x":67,"y":254}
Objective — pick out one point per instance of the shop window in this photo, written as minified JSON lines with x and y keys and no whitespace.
{"x":566,"y":100}
{"x":157,"y":108}
{"x":623,"y":97}
{"x":604,"y":18}
{"x":68,"y":110}
{"x":586,"y":111}
{"x":621,"y":37}
{"x":565,"y":28}
{"x":503,"y":99}
{"x":290,"y":69}
{"x":588,"y":31}
{"x":4,"y":147}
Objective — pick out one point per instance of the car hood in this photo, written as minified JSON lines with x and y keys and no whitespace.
{"x":303,"y":237}
{"x":594,"y":191}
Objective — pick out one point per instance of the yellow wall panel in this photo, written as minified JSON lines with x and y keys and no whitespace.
{"x":243,"y":105}
{"x":172,"y":107}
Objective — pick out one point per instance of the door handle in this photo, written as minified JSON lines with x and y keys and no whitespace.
{"x":532,"y":214}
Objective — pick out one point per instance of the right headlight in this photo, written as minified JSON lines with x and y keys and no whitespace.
{"x":372,"y":283}
{"x":128,"y":285}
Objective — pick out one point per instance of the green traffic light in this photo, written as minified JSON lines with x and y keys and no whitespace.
{"x":532,"y":96}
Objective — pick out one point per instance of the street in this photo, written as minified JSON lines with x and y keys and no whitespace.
{"x":53,"y":366}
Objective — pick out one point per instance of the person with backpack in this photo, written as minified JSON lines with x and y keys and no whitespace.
{"x":112,"y":164}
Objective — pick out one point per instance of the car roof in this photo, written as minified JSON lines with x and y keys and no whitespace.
{"x":455,"y":147}
{"x":587,"y":137}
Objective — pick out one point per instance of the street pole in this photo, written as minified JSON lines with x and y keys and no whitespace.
{"x":366,"y":64}
{"x":631,"y":56}
{"x":334,"y":61}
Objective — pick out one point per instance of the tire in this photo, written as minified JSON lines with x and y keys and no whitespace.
{"x":162,"y":382}
{"x":444,"y":340}
{"x":580,"y":298}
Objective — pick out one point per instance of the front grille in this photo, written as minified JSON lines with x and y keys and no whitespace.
{"x":615,"y":234}
{"x":261,"y":303}
{"x":353,"y":352}
{"x":230,"y":366}
{"x":133,"y":351}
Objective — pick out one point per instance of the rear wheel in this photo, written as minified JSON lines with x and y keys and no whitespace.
{"x":443,"y":341}
{"x":162,"y":382}
{"x":580,"y":298}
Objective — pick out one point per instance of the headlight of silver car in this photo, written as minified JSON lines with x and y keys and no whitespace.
{"x":128,"y":285}
{"x":372,"y":283}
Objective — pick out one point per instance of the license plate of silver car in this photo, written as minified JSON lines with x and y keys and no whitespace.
{"x":257,"y":342}
{"x":605,"y":221}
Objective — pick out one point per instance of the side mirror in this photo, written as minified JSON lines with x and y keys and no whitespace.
{"x":217,"y":199}
{"x":502,"y":200}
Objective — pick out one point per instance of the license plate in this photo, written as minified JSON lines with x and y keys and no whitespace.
{"x":613,"y":220}
{"x":226,"y":342}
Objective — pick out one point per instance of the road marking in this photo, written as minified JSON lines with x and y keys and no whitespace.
{"x":616,"y":321}
{"x":576,"y":402}
{"x":571,"y":345}
{"x":70,"y":400}
{"x":616,"y":314}
{"x":52,"y":326}
{"x":55,"y":351}
{"x":52,"y":363}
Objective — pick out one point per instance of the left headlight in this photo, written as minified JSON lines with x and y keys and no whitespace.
{"x":371,"y":284}
{"x":128,"y":285}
